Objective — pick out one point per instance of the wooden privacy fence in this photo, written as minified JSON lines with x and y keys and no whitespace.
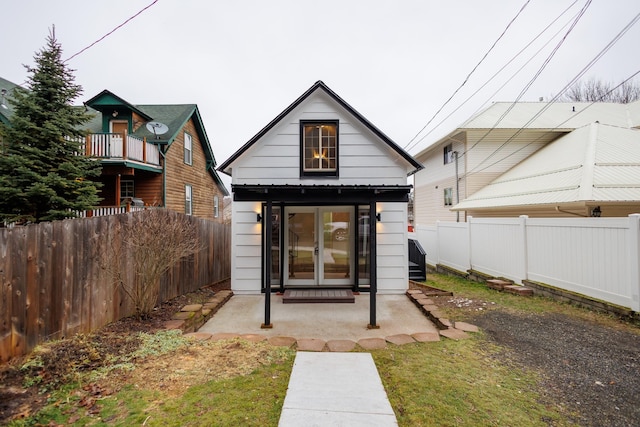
{"x":52,"y":284}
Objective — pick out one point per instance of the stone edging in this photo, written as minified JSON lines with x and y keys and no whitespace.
{"x":191,"y":317}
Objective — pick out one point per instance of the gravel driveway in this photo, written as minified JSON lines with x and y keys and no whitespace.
{"x":592,"y":370}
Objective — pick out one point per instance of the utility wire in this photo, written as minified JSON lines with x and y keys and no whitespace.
{"x":500,"y":71}
{"x":469,"y":75}
{"x":514,"y":103}
{"x":557,"y":96}
{"x":110,"y":32}
{"x":558,"y":126}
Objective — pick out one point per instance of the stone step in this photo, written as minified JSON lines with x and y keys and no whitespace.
{"x":519,"y":290}
{"x":498,"y":284}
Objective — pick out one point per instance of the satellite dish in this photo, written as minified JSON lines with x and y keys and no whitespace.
{"x":157,"y":128}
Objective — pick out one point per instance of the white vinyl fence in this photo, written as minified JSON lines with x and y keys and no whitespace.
{"x":595,"y":257}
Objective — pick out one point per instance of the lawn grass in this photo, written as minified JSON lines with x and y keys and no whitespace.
{"x":533,"y":304}
{"x":460,"y":383}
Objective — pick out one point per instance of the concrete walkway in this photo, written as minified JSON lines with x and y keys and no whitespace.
{"x":336,"y":389}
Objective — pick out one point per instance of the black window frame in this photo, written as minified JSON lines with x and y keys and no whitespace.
{"x":319,"y":173}
{"x":448,"y":154}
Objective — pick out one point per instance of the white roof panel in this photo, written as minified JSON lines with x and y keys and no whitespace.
{"x":594,"y":163}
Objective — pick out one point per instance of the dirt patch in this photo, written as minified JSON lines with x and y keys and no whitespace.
{"x":201,"y":362}
{"x":25,"y":382}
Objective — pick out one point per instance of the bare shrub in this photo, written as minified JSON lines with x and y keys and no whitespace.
{"x":147,"y":244}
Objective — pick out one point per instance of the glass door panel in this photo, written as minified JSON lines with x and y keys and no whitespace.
{"x":364,"y":246}
{"x":336,"y":246}
{"x":302,"y":244}
{"x":275,"y":246}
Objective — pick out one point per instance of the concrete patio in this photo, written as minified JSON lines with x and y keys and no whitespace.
{"x":396,"y":316}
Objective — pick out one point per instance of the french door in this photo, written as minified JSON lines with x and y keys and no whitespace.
{"x":319,"y":243}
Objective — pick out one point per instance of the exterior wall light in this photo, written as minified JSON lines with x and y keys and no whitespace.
{"x":258,"y":218}
{"x":378,"y":217}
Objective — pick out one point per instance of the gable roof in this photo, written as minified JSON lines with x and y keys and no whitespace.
{"x":174,"y":116}
{"x":319,"y":85}
{"x":597,"y":162}
{"x":107,"y":100}
{"x":546,"y":116}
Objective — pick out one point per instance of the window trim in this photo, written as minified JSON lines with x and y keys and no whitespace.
{"x":319,"y":173}
{"x":448,"y":154}
{"x":188,"y":153}
{"x":450,"y":191}
{"x":188,"y":199}
{"x":126,"y":182}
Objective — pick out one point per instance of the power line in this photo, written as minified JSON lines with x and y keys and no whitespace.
{"x":557,"y":96}
{"x":545,"y":63}
{"x":556,"y":127}
{"x":469,"y":75}
{"x":110,"y":32}
{"x":500,"y":70}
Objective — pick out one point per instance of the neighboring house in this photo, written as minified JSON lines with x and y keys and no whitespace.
{"x":320,"y":201}
{"x":151,"y":155}
{"x":536,"y":159}
{"x":154,"y":155}
{"x":6,"y":109}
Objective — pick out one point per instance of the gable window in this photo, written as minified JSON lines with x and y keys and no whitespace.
{"x":188,"y":200}
{"x":448,"y":154}
{"x":319,"y":148}
{"x":188,"y":149}
{"x":216,"y":207}
{"x":448,"y":196}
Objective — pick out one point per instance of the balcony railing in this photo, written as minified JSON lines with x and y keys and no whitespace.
{"x":110,"y":210}
{"x":122,"y":146}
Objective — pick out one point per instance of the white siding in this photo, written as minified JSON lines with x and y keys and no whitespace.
{"x":393,"y":250}
{"x":363,"y":159}
{"x":433,"y":179}
{"x":483,"y":156}
{"x":246,"y":255}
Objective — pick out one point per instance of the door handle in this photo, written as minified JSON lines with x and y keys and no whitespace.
{"x":315,"y":250}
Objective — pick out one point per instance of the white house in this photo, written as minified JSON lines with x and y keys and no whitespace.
{"x":539,"y":159}
{"x":320,"y":201}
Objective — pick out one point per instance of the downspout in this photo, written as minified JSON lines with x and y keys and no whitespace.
{"x":455,"y":153}
{"x":164,"y":177}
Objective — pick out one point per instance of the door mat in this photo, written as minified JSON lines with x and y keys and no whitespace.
{"x":292,"y":296}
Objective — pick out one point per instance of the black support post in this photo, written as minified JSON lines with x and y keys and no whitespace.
{"x":374,"y":267}
{"x":267,"y":231}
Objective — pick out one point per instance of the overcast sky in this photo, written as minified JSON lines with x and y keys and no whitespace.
{"x":396,"y":62}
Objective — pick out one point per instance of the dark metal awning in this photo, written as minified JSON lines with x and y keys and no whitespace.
{"x":320,"y":193}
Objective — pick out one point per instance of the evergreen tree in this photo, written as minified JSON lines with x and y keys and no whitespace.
{"x":44,"y":174}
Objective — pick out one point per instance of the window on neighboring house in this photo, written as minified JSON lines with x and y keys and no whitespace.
{"x":319,"y":148}
{"x":127,"y":188}
{"x":188,"y":200}
{"x":216,"y":207}
{"x":188,"y":149}
{"x":448,"y":154}
{"x":448,"y":196}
